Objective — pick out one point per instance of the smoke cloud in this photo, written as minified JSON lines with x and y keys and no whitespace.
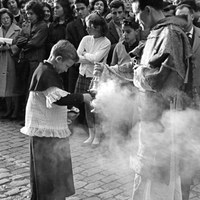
{"x":132,"y":122}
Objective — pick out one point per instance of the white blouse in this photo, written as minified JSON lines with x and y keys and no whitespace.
{"x":92,"y":50}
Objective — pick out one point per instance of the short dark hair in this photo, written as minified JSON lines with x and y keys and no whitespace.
{"x":167,"y":6}
{"x":64,"y":49}
{"x":183,"y":6}
{"x":22,"y":2}
{"x":5,"y":10}
{"x":97,"y":20}
{"x":36,"y":7}
{"x":117,"y":4}
{"x":190,"y":4}
{"x":105,"y":5}
{"x":85,"y":2}
{"x":131,"y":23}
{"x":5,"y":3}
{"x":156,"y":4}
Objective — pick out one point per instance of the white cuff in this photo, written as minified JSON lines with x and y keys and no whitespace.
{"x":53,"y":94}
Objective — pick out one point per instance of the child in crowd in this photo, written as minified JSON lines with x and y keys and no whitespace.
{"x":130,"y":41}
{"x":46,"y":124}
{"x":92,"y":48}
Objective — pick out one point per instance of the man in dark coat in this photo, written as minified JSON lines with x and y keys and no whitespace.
{"x":75,"y":31}
{"x":117,"y":10}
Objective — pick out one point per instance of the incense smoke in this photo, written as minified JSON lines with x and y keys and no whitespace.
{"x":176,"y":132}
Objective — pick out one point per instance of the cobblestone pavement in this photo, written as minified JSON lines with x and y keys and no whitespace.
{"x":98,"y":176}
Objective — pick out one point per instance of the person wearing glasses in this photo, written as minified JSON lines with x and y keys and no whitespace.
{"x":8,"y":76}
{"x":14,"y":7}
{"x":93,"y":48}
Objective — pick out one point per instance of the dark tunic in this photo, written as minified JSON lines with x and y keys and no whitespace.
{"x":51,"y":175}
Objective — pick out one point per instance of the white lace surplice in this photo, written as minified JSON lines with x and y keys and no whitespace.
{"x":43,"y":118}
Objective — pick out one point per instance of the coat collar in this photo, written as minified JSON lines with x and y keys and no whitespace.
{"x":112,"y":30}
{"x":196,"y":43}
{"x":13,"y":28}
{"x":79,"y":27}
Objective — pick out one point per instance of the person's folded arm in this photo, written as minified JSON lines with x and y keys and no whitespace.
{"x":98,"y":55}
{"x":38,"y":39}
{"x":83,"y":60}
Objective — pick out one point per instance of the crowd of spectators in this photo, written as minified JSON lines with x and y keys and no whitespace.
{"x":37,"y":27}
{"x":34,"y":26}
{"x":102,"y":32}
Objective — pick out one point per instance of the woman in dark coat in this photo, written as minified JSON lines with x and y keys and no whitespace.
{"x":32,"y":38}
{"x":63,"y":14}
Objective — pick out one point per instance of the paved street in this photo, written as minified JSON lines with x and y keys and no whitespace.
{"x":97,"y":175}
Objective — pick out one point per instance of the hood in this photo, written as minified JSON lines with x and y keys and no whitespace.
{"x":174,"y":20}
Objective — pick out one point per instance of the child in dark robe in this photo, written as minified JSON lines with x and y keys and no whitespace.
{"x":51,"y":174}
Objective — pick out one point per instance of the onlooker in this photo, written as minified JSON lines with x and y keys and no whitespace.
{"x":50,"y":2}
{"x":33,"y":37}
{"x":14,"y":7}
{"x":22,"y":4}
{"x":75,"y":31}
{"x":186,"y":8}
{"x":31,"y":42}
{"x":51,"y":174}
{"x":117,"y":10}
{"x":168,"y":9}
{"x":128,"y":10}
{"x":161,"y":78}
{"x":93,"y":48}
{"x":63,"y":14}
{"x":48,"y":14}
{"x":196,"y":20}
{"x":130,"y":41}
{"x":7,"y":70}
{"x":101,"y":6}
